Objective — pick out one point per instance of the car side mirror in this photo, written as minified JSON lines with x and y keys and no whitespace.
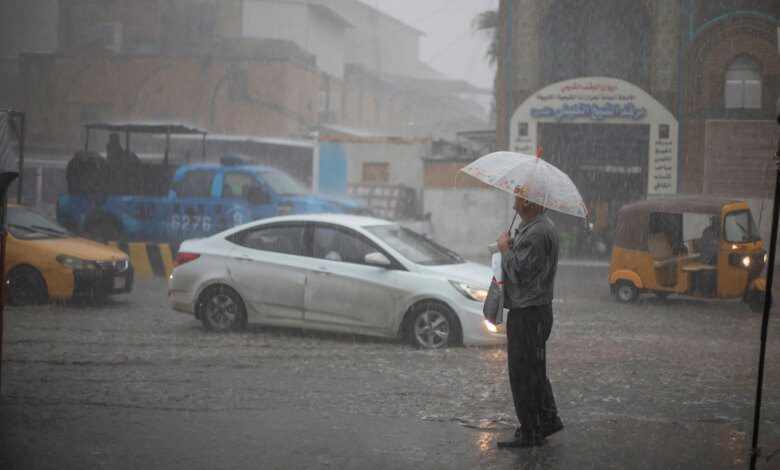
{"x":257,"y":195}
{"x":377,"y":259}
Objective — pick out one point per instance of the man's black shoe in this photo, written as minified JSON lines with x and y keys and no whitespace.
{"x":533,"y":440}
{"x":551,"y":427}
{"x":548,"y":428}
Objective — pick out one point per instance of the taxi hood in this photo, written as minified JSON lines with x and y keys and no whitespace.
{"x":81,"y":248}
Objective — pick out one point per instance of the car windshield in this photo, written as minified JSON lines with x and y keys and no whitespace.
{"x":740,"y":228}
{"x":28,"y":225}
{"x":283,"y":184}
{"x":415,"y":247}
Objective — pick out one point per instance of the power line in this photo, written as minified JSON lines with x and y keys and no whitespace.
{"x":417,"y":21}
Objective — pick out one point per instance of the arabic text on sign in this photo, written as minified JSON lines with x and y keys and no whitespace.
{"x":592,"y":111}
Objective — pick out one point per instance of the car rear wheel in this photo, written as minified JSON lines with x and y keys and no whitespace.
{"x":626,"y":291}
{"x":222,"y":310}
{"x":433,"y":327}
{"x":26,"y":286}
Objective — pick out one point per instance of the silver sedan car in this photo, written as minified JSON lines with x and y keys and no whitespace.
{"x":334,"y":272}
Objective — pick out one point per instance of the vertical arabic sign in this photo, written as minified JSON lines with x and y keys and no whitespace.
{"x":606,"y":101}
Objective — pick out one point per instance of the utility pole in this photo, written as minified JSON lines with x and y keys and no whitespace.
{"x":755,"y":451}
{"x":10,"y":169}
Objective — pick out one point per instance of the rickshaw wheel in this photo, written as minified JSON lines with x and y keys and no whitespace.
{"x":755,"y":300}
{"x":626,"y":292}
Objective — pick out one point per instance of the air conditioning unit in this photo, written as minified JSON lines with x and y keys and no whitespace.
{"x":111,"y":36}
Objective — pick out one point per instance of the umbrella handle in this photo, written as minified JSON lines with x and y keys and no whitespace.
{"x":512,"y":223}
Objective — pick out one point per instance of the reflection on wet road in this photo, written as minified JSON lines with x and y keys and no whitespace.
{"x":631,"y":382}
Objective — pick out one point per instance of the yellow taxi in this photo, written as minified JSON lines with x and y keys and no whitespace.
{"x":46,"y":262}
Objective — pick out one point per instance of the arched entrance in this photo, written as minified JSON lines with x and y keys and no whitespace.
{"x":613,"y":139}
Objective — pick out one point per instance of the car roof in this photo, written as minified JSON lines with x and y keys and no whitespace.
{"x":217,"y":166}
{"x":348,"y":220}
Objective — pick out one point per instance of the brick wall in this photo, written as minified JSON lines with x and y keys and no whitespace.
{"x":62,"y":92}
{"x":707,"y":60}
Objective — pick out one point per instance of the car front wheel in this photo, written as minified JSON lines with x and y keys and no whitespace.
{"x":433,"y":327}
{"x":26,"y":286}
{"x":222,"y":310}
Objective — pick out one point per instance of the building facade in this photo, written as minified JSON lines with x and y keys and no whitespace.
{"x":263,"y":67}
{"x":637,"y":98}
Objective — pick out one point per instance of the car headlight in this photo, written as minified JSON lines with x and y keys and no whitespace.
{"x":746,"y":261}
{"x":478,"y":294}
{"x":74,"y":262}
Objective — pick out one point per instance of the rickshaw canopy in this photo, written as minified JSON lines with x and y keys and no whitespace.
{"x":633,"y":223}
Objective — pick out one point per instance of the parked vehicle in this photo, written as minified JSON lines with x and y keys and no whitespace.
{"x":697,"y":246}
{"x":334,"y":272}
{"x":126,"y":200}
{"x":46,"y":262}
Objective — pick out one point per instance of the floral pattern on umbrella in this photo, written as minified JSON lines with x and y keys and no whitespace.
{"x":530,"y":178}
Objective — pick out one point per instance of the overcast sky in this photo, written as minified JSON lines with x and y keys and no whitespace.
{"x":450,"y":44}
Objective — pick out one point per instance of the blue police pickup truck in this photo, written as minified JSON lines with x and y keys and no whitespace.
{"x":119,"y":199}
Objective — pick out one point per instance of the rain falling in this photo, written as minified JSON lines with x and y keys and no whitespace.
{"x":391,"y":234}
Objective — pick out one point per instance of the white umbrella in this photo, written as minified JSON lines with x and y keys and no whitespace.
{"x":530,"y":178}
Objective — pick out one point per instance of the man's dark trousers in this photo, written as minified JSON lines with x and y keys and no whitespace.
{"x":527,"y":330}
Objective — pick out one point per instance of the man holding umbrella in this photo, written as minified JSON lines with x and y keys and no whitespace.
{"x":529,"y":262}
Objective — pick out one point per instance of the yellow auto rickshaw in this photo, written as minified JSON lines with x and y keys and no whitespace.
{"x":697,"y":246}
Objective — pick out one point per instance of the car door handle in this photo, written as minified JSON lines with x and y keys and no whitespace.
{"x":323,"y":271}
{"x":243,"y":258}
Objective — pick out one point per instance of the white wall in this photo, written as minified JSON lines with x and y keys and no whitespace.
{"x":319,"y":35}
{"x":277,"y":20}
{"x":467,"y":220}
{"x":405,"y":164}
{"x":326,"y":41}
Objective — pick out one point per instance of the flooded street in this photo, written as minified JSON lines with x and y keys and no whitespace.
{"x":658,"y":384}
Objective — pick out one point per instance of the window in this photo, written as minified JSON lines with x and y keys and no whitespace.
{"x":28,"y":225}
{"x":338,"y":245}
{"x":236,"y":185}
{"x":194,"y":183}
{"x":288,"y":239}
{"x":740,"y":228}
{"x":415,"y":247}
{"x":282,"y":184}
{"x":376,"y":173}
{"x":743,"y":83}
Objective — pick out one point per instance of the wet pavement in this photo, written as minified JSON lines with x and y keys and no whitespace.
{"x":658,"y":384}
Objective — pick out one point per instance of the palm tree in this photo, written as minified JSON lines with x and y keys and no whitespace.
{"x":487,"y":22}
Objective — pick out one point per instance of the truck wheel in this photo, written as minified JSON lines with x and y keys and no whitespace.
{"x":26,"y":286}
{"x":106,"y":230}
{"x":626,"y":292}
